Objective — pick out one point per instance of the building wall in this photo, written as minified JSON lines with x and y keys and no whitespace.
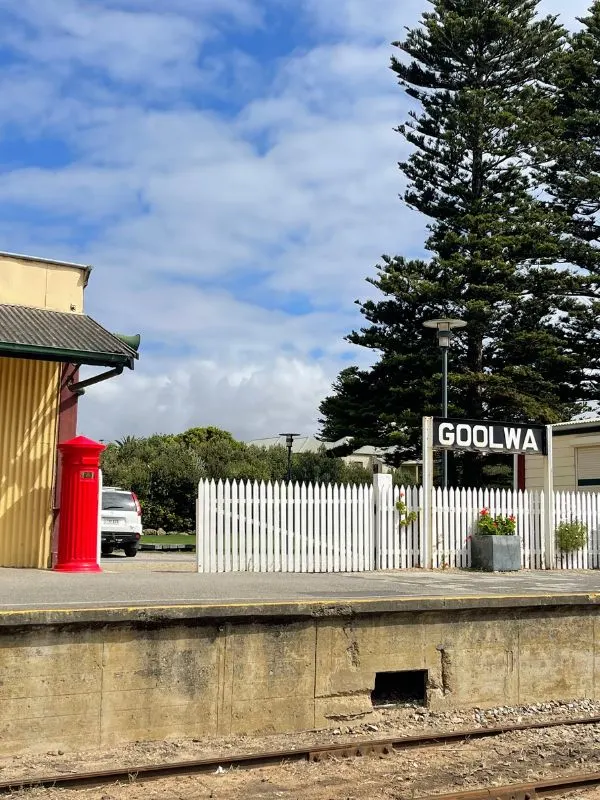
{"x":75,"y":685}
{"x":564,"y":458}
{"x":363,"y":461}
{"x":39,"y":284}
{"x":367,"y":462}
{"x":28,"y":423}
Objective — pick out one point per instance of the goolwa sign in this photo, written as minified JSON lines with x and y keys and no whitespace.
{"x":489,"y":437}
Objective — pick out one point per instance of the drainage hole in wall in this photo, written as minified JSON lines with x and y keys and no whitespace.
{"x":399,"y":688}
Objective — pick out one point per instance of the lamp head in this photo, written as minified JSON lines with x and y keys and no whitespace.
{"x":289,"y":438}
{"x":444,"y":327}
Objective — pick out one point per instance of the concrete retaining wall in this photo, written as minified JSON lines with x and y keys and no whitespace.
{"x":94,"y":679}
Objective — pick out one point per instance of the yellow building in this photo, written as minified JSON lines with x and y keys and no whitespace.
{"x":44,"y":338}
{"x":576,"y":458}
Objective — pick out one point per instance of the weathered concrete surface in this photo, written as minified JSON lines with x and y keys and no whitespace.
{"x":74,"y":680}
{"x":150,"y":580}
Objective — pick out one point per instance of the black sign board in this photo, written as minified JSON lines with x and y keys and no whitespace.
{"x":489,"y":437}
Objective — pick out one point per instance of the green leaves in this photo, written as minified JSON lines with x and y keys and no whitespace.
{"x":572,"y":169}
{"x":497,"y":525}
{"x":571,"y":536}
{"x":494,"y":130}
{"x":164,"y":470}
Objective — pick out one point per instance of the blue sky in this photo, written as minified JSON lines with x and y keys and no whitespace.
{"x":229,"y":169}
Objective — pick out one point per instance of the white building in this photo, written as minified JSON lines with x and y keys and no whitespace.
{"x":369,"y":457}
{"x":576,"y":458}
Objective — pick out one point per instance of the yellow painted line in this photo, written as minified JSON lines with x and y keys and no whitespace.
{"x":298,"y":603}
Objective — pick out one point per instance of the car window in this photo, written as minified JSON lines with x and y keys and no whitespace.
{"x":118,"y":501}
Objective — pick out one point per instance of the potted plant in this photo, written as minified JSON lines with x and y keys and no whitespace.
{"x":495,"y":547}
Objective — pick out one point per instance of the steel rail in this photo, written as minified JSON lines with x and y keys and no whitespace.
{"x":546,"y":787}
{"x":347,"y":749}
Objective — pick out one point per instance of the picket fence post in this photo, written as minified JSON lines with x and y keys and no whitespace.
{"x":425,"y":521}
{"x":382,"y":493}
{"x":548,"y":505}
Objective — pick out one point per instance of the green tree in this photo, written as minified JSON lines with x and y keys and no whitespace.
{"x":355,"y":408}
{"x":481,"y":72}
{"x":164,"y":470}
{"x":571,"y":173}
{"x":196,"y":437}
{"x":163,"y":473}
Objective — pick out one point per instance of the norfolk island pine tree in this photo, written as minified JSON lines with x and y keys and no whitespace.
{"x":483,"y":73}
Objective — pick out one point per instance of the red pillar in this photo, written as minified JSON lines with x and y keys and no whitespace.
{"x":67,"y":429}
{"x":79,"y":497}
{"x":521,"y":472}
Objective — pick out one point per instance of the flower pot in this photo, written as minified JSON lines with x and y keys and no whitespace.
{"x":496,"y":553}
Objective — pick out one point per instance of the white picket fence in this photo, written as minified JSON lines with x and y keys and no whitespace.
{"x":279,"y":527}
{"x":579,"y":507}
{"x":455,"y":513}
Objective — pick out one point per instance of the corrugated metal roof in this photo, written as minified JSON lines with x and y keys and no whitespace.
{"x":309,"y":444}
{"x":578,"y":422}
{"x":302,"y":444}
{"x":31,"y":331}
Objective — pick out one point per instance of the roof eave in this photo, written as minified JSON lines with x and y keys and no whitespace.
{"x":64,"y":356}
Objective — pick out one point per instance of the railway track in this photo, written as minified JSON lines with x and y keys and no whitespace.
{"x":548,"y":787}
{"x":348,"y":749}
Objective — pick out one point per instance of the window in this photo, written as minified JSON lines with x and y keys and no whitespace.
{"x":588,"y":467}
{"x":118,"y":501}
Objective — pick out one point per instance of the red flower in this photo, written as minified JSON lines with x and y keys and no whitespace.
{"x":512,"y":518}
{"x":484,"y":512}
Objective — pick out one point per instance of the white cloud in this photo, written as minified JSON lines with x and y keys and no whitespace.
{"x":205,"y":227}
{"x":386,"y":20}
{"x":251,"y":400}
{"x":129,"y":42}
{"x":365,"y":19}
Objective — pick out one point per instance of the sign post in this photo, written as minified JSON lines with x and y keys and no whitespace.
{"x":425,"y":526}
{"x":548,"y":504}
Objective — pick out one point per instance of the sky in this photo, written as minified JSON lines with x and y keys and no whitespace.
{"x":229,"y":168}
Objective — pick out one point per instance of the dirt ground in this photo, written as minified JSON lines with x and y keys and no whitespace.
{"x":507,"y":758}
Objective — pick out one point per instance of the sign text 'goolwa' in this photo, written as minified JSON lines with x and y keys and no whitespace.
{"x":489,"y":437}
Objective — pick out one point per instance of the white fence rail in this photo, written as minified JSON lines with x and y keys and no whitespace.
{"x":455,"y":513}
{"x":279,"y":527}
{"x":579,"y":507}
{"x":397,"y":546}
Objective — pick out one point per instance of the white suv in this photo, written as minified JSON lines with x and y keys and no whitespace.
{"x":121,"y":521}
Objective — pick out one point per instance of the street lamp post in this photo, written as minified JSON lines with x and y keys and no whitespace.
{"x":444,"y":327}
{"x":289,"y":443}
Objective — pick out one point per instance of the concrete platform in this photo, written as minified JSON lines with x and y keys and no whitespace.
{"x":154,"y":653}
{"x":26,"y":594}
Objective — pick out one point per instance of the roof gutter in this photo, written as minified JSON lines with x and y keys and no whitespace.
{"x":80,"y":387}
{"x":66,"y":356}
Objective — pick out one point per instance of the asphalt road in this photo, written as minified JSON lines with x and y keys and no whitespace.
{"x":164,"y":579}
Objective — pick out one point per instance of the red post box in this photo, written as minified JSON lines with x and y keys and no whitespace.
{"x":79,"y":498}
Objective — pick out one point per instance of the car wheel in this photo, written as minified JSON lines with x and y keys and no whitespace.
{"x":106,"y":551}
{"x":130,"y":550}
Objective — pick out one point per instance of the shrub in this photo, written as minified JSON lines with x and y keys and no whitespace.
{"x":571,"y":536}
{"x":495,"y":526}
{"x":406,"y":516}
